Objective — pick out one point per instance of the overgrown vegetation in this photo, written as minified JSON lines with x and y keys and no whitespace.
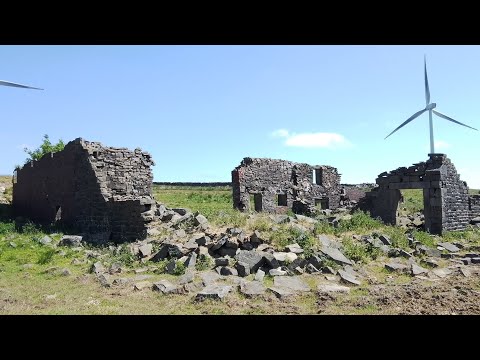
{"x":45,"y":148}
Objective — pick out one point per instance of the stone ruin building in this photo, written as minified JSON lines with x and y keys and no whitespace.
{"x":447,"y":204}
{"x":105,"y":192}
{"x":275,"y":186}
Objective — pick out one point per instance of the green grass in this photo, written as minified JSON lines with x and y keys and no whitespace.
{"x":413,"y":201}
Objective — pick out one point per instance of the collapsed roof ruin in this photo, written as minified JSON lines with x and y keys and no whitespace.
{"x":105,"y":192}
{"x":447,"y":204}
{"x":279,"y":185}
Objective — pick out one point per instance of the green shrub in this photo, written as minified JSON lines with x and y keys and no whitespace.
{"x":179,"y":268}
{"x":7,"y":227}
{"x":424,"y":238}
{"x":285,"y":235}
{"x":203,"y":263}
{"x":359,"y":222}
{"x":46,"y":256}
{"x":45,"y":148}
{"x":322,"y":227}
{"x":30,"y":228}
{"x":359,"y":252}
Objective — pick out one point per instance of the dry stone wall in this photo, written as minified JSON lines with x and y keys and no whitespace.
{"x":278,"y":185}
{"x":105,"y":192}
{"x":447,"y":205}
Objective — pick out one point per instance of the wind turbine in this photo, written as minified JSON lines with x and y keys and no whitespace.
{"x":8,"y":83}
{"x":430,"y":107}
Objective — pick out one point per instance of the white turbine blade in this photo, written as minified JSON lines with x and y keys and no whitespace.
{"x":427,"y":89}
{"x":452,"y":120}
{"x":8,"y":83}
{"x":417,"y":114}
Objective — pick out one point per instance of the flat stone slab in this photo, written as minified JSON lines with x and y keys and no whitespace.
{"x":292,"y":283}
{"x":166,"y":287}
{"x":417,"y":270}
{"x":186,"y":278}
{"x":450,"y":247}
{"x":336,"y":255}
{"x":441,"y":273}
{"x":259,"y":275}
{"x":349,"y":278}
{"x":333,"y":288}
{"x":254,"y":259}
{"x":294,"y":248}
{"x":142,"y":285}
{"x":214,"y":291}
{"x":281,"y":292}
{"x":277,"y":272}
{"x":396,"y":267}
{"x":252,"y":288}
{"x":209,"y":277}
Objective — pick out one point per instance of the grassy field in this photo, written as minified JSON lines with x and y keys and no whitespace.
{"x":33,"y":279}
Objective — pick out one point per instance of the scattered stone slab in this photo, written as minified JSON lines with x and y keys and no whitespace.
{"x":418,"y":270}
{"x":281,"y":292}
{"x":271,"y":261}
{"x":242,"y":268}
{"x":442,"y":272}
{"x":115,"y":268}
{"x":46,"y":240}
{"x":200,"y":220}
{"x":221,"y":261}
{"x":252,"y":288}
{"x":432,"y":252}
{"x":186,"y":278}
{"x":145,"y":250}
{"x":396,"y":267}
{"x":450,"y":247}
{"x":104,"y":280}
{"x":348,"y":278}
{"x":292,"y":283}
{"x":71,"y":241}
{"x":465,"y":272}
{"x":213,"y":291}
{"x":98,"y":268}
{"x":228,"y":271}
{"x":277,"y":272}
{"x":476,"y":260}
{"x":259,"y":275}
{"x":254,"y":259}
{"x":294,"y":248}
{"x":193,"y":287}
{"x":166,"y":287}
{"x":121,"y":281}
{"x":404,"y":254}
{"x":431,"y":262}
{"x":191,"y":261}
{"x":336,"y":255}
{"x":311,"y":269}
{"x":142,"y":285}
{"x":332,"y":278}
{"x":333,"y":288}
{"x":209,"y":277}
{"x":385,"y":240}
{"x":466,"y":261}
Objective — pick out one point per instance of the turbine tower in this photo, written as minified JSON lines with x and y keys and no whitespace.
{"x":8,"y":83}
{"x":430,"y":107}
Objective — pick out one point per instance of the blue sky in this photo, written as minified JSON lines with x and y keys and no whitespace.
{"x":200,"y":109}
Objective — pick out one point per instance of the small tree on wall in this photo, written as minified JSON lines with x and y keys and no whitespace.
{"x":45,"y":148}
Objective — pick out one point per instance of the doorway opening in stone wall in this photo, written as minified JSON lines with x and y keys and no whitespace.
{"x":410,"y":211}
{"x":257,"y":202}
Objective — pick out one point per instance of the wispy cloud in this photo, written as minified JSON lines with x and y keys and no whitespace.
{"x":439,"y":144}
{"x":312,"y":140}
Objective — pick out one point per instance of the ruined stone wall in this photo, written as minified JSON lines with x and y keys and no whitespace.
{"x":474,"y":206}
{"x":105,"y":192}
{"x":269,"y":178}
{"x":446,"y":202}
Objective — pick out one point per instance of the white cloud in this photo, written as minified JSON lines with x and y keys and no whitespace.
{"x":439,"y":144}
{"x":312,"y":140}
{"x":280,"y":133}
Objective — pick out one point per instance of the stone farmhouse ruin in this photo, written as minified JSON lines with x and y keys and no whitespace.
{"x":105,"y":192}
{"x":447,"y":204}
{"x":275,"y":186}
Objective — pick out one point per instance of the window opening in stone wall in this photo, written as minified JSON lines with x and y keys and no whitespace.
{"x":282,"y":199}
{"x":58,"y":213}
{"x":95,"y":154}
{"x":318,"y":176}
{"x":257,"y":199}
{"x":322,"y":203}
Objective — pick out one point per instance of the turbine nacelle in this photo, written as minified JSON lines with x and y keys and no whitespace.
{"x":431,"y":106}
